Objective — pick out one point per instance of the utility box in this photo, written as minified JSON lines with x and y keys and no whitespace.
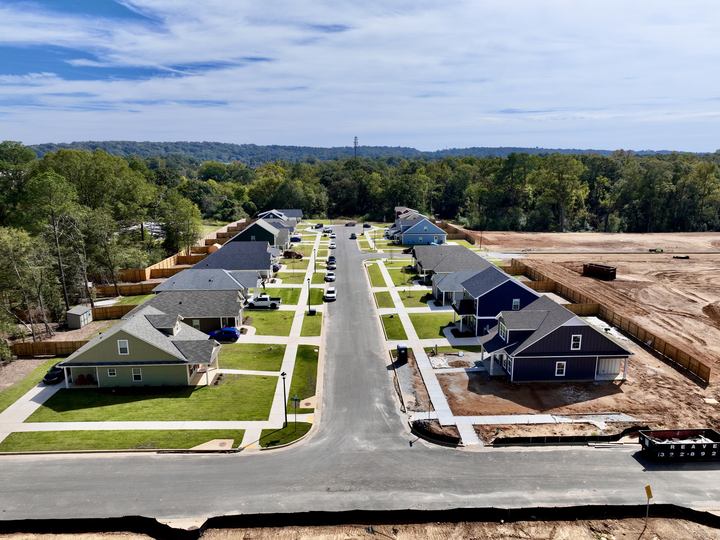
{"x":402,"y":354}
{"x":78,"y":317}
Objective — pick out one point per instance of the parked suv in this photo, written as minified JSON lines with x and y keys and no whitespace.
{"x":225,"y":334}
{"x":292,"y":255}
{"x":327,"y":229}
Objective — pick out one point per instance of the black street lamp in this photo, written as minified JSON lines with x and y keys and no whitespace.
{"x":314,"y":261}
{"x":284,"y":398}
{"x":309,"y":310}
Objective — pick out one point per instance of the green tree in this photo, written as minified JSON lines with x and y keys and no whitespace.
{"x":559,"y":180}
{"x":181,"y":222}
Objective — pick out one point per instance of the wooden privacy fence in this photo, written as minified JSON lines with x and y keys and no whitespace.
{"x":51,"y":348}
{"x":110,"y":312}
{"x":584,"y":305}
{"x":456,"y":233}
{"x":125,"y":290}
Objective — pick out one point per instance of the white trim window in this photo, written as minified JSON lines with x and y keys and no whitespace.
{"x":112,"y":372}
{"x":252,"y":238}
{"x":196,"y":324}
{"x":137,"y":374}
{"x":516,"y":304}
{"x":575,"y":342}
{"x":503,"y":332}
{"x":560,"y":368}
{"x":123,"y":347}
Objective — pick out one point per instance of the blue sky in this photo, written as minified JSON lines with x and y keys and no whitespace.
{"x":458,"y":73}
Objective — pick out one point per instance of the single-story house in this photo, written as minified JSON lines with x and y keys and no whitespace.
{"x":203,"y":310}
{"x":422,"y":232}
{"x":486,"y":294}
{"x":446,"y":259}
{"x":247,"y":256}
{"x":150,"y":348}
{"x":546,"y":342}
{"x":211,"y":279}
{"x":262,"y":231}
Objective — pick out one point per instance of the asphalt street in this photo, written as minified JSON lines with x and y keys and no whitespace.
{"x":360,"y":456}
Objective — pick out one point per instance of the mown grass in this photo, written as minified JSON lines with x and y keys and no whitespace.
{"x":289,"y":296}
{"x":384,"y":300}
{"x":271,"y":323}
{"x":393,"y":327}
{"x":318,"y":278}
{"x":430,"y":325}
{"x":398,"y":263}
{"x":304,"y":380}
{"x":402,"y":276}
{"x":278,"y":437}
{"x":411,"y":298}
{"x":376,"y":276}
{"x":465,"y":243}
{"x":43,"y":441}
{"x":322,"y":253}
{"x":289,"y":279}
{"x":297,"y":264}
{"x":254,"y":356}
{"x":14,"y":392}
{"x":134,"y":300}
{"x":316,"y":296}
{"x":312,"y":325}
{"x":239,"y":397}
{"x":209,"y":227}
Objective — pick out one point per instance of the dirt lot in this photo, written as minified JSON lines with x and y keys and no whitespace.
{"x":514,"y":241}
{"x":12,"y":372}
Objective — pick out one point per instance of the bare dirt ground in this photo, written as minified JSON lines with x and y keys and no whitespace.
{"x":671,"y":242}
{"x":12,"y":372}
{"x":607,"y":529}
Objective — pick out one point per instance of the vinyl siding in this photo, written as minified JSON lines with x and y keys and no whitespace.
{"x":501,"y":298}
{"x":543,"y":369}
{"x":151,"y":376}
{"x":558,"y":342}
{"x":107,"y":351}
{"x":414,"y":239}
{"x":260,"y":234}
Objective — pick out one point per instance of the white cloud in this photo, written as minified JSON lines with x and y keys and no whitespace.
{"x":458,"y":73}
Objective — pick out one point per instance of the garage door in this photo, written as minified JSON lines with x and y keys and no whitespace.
{"x":609,"y":366}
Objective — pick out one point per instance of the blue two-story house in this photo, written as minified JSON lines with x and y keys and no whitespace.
{"x":546,"y":342}
{"x":487,"y":293}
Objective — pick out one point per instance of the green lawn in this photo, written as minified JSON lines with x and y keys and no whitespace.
{"x":297,"y":264}
{"x":316,"y":296}
{"x":393,"y":327}
{"x":430,"y":325}
{"x":464,"y":243}
{"x":453,"y":350}
{"x":12,"y":393}
{"x":289,"y":296}
{"x":384,"y":300}
{"x":271,"y":323}
{"x":322,"y":253}
{"x":209,"y":227}
{"x":401,"y":278}
{"x":376,"y":277}
{"x":239,"y":397}
{"x":318,"y":278}
{"x":412,"y":298}
{"x":255,"y":356}
{"x":133,"y":300}
{"x":311,"y":325}
{"x":278,"y":437}
{"x":288,"y":279}
{"x":398,"y":263}
{"x":305,"y":249}
{"x":304,"y":381}
{"x":40,"y":441}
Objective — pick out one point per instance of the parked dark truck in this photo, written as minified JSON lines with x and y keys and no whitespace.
{"x":264,"y":301}
{"x":681,"y":444}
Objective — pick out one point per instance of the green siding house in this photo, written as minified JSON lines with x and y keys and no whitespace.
{"x":150,"y":348}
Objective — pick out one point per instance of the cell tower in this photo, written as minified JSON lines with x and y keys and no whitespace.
{"x":356,"y":146}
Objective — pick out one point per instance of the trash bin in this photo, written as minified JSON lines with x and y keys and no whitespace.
{"x":402,"y":354}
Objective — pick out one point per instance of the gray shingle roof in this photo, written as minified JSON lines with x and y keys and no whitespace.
{"x":195,"y":304}
{"x":549,"y":315}
{"x":445,"y":259}
{"x":163,"y":322}
{"x":210,"y":279}
{"x":262,"y":224}
{"x":454,"y":280}
{"x":292,"y":212}
{"x":141,"y":327}
{"x":523,"y":320}
{"x":238,"y":256}
{"x":485,"y":281}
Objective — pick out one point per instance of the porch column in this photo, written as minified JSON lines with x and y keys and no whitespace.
{"x":65,"y":371}
{"x":625,"y":368}
{"x":207,"y":375}
{"x":454,"y":313}
{"x":492,"y":365}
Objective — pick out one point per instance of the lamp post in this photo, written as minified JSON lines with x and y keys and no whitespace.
{"x":308,"y":282}
{"x":284,"y":398}
{"x":314,"y":261}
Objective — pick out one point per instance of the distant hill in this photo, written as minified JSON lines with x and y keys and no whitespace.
{"x":252,"y":154}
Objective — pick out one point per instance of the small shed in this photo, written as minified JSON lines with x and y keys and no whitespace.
{"x":78,"y":317}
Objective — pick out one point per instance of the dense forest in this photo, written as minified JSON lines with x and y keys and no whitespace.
{"x":74,"y":216}
{"x":254,"y":155}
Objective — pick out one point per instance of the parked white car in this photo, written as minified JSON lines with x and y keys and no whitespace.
{"x":332,"y":245}
{"x":333,"y":235}
{"x":331,"y":294}
{"x":330,"y":276}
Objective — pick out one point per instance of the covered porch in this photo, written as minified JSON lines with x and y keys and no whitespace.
{"x":466,"y":310}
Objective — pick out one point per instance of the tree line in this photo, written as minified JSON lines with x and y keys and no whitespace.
{"x":75,"y":216}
